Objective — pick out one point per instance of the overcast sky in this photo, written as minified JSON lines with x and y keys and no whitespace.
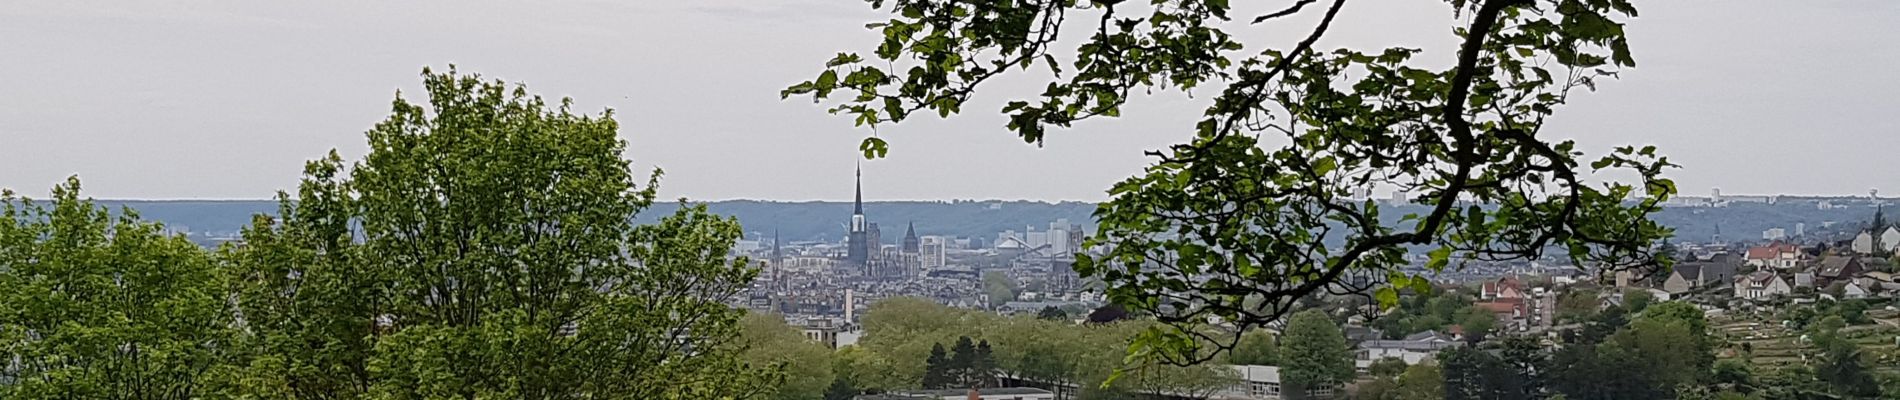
{"x":227,"y":99}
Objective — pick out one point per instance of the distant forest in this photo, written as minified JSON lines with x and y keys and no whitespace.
{"x":812,"y":221}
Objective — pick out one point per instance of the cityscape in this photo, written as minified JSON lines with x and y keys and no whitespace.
{"x":949,"y":200}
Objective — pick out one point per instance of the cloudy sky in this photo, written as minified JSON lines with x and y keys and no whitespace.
{"x":226,"y":99}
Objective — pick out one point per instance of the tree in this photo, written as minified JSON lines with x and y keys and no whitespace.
{"x":1221,"y":225}
{"x":840,"y":389}
{"x":1387,"y":367}
{"x":1844,"y":371}
{"x":1313,"y":353}
{"x":1423,"y":381}
{"x":1478,"y":323}
{"x":1733,"y":373}
{"x":866,"y":370}
{"x":770,"y":343}
{"x":485,"y":247}
{"x":999,"y":287}
{"x":104,"y":307}
{"x":1255,"y":348}
{"x":1052,"y":313}
{"x":1635,"y":300}
{"x":937,"y":369}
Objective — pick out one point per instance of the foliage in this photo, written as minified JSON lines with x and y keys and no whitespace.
{"x":1000,"y":288}
{"x":1313,"y":352}
{"x":1733,"y":373}
{"x":485,"y":247}
{"x":905,"y":331}
{"x":1635,"y":300}
{"x":1387,"y":367}
{"x":1255,"y":348}
{"x":770,"y":342}
{"x":1577,"y":305}
{"x":864,"y":369}
{"x":1843,"y":369}
{"x":101,"y":307}
{"x":1223,"y":226}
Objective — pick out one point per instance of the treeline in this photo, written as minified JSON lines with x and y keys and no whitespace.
{"x":484,"y":248}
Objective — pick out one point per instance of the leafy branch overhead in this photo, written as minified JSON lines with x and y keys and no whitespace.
{"x":1224,"y":227}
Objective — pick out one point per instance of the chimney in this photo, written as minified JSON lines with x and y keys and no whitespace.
{"x":974,"y":395}
{"x":850,"y":306}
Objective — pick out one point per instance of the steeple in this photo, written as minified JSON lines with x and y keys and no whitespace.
{"x":857,"y":203}
{"x":910,"y":238}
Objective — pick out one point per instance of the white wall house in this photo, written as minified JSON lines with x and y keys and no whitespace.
{"x":1761,"y":285}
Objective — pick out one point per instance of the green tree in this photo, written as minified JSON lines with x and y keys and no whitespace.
{"x":1478,"y":323}
{"x":1733,"y":373}
{"x":1000,"y":288}
{"x":1313,"y":353}
{"x":94,"y":306}
{"x":1423,"y":381}
{"x":1387,"y":367}
{"x":1223,"y":225}
{"x":485,"y":247}
{"x":937,"y":369}
{"x":1844,"y":371}
{"x":840,"y":389}
{"x":1255,"y":348}
{"x":866,"y":370}
{"x":770,"y":343}
{"x":1635,"y":300}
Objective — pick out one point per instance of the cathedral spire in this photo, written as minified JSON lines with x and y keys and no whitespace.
{"x":857,"y":203}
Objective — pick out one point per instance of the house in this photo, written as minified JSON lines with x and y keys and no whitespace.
{"x":1413,"y":349}
{"x":1889,"y":240}
{"x":1836,"y":269}
{"x":1761,"y":285}
{"x":1699,"y":274}
{"x":1510,"y":312}
{"x":1853,"y":290}
{"x":1262,"y":382}
{"x":1503,"y":288}
{"x":1777,"y":255}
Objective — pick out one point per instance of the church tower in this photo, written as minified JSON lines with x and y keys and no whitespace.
{"x":910,"y":238}
{"x":858,"y":246}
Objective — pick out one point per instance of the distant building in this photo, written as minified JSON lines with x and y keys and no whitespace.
{"x":1412,"y":349}
{"x":1778,"y":255}
{"x":1761,"y":285}
{"x":1262,"y":382}
{"x":930,"y":252}
{"x":1698,"y":274}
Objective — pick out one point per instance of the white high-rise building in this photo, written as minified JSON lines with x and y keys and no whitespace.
{"x":930,"y":250}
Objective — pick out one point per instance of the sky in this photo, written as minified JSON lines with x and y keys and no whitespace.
{"x":162,"y":99}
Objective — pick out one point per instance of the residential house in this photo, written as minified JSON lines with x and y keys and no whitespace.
{"x":1889,"y":240}
{"x":1836,"y":269}
{"x":1853,"y":290}
{"x":1777,"y":255}
{"x":1508,"y":287}
{"x":1511,"y":313}
{"x":1761,"y":285}
{"x":1412,"y":349}
{"x":1692,"y":275}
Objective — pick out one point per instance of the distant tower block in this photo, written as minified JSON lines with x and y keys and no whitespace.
{"x":1715,"y":195}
